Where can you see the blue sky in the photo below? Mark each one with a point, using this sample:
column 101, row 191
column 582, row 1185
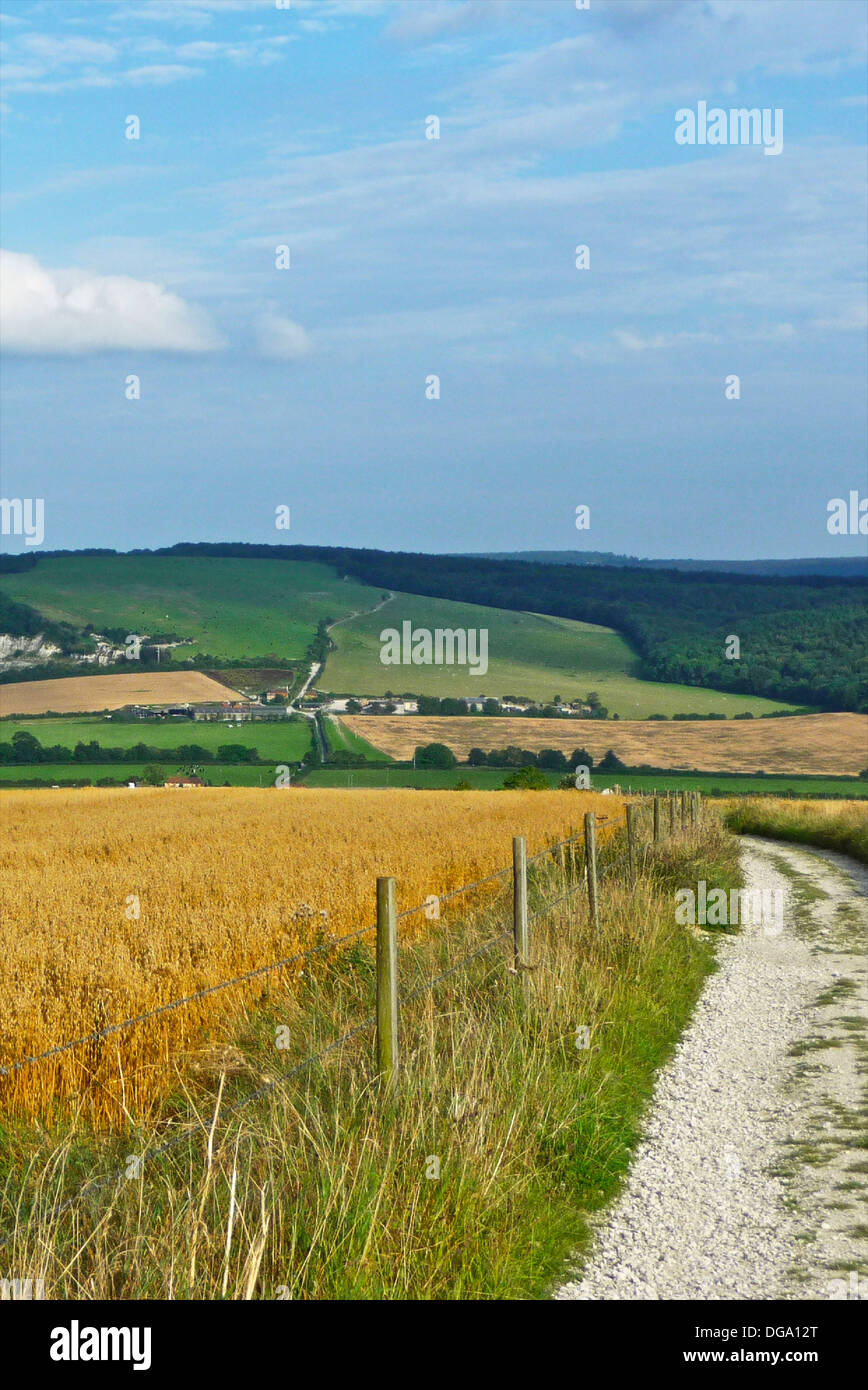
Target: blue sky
column 305, row 126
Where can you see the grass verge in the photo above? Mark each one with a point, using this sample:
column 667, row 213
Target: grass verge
column 843, row 828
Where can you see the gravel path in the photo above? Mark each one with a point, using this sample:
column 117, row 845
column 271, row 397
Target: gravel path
column 750, row 1181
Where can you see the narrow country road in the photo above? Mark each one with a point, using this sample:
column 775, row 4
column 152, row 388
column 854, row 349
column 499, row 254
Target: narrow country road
column 752, row 1176
column 318, row 666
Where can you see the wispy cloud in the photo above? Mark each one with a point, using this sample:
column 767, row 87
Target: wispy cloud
column 281, row 339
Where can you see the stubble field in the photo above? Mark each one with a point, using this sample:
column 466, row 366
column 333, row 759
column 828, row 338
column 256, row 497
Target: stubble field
column 810, row 743
column 91, row 694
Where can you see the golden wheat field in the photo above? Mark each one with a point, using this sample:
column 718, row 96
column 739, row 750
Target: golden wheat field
column 224, row 881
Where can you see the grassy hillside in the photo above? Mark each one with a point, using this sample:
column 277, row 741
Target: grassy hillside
column 229, row 608
column 235, row 608
column 528, row 654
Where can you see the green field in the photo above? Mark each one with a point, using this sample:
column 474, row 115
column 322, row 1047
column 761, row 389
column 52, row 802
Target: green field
column 236, row 774
column 284, row 741
column 489, row 778
column 342, row 740
column 229, row 608
column 528, row 654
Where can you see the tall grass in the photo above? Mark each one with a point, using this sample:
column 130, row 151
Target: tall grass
column 323, row 1186
column 832, row 825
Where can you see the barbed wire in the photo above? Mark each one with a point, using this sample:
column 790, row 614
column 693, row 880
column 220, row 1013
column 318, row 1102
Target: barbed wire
column 277, row 1082
column 455, row 892
column 97, row 1184
column 547, row 907
column 172, row 1004
column 453, row 969
column 100, row 1034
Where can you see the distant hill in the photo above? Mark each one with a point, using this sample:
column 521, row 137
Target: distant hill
column 840, row 566
column 800, row 636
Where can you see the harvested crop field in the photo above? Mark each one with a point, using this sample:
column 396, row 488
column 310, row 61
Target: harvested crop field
column 809, row 743
column 92, row 694
column 126, row 901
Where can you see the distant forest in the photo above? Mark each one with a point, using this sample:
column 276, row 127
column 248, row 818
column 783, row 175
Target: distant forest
column 802, row 637
column 835, row 567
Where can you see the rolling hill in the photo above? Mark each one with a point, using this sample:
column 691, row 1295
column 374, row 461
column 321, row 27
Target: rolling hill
column 247, row 607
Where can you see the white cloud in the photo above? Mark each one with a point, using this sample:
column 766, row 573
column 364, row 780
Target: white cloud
column 281, row 338
column 75, row 311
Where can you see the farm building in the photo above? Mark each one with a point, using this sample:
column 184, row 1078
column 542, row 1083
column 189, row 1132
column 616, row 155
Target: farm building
column 157, row 711
column 183, row 779
column 238, row 711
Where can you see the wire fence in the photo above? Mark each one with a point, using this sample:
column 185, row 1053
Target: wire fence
column 321, row 948
column 388, row 998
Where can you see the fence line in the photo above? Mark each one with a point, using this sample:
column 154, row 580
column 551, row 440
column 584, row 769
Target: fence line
column 168, row 1007
column 386, row 1019
column 100, row 1034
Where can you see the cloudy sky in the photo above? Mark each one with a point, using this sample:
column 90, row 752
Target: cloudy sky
column 304, row 125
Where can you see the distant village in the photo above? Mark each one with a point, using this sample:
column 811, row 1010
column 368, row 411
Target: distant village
column 276, row 705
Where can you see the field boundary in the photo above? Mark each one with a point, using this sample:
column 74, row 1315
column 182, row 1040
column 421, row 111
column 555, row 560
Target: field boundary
column 683, row 814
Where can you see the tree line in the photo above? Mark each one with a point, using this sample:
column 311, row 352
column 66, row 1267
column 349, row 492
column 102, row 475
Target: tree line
column 25, row 748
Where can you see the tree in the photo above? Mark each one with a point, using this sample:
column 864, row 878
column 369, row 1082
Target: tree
column 477, row 757
column 353, row 707
column 236, row 753
column 580, row 757
column 514, row 756
column 526, row 779
column 26, row 748
column 611, row 763
column 153, row 775
column 553, row 759
column 435, row 755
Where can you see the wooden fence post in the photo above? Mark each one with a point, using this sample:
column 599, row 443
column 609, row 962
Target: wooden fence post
column 521, row 941
column 631, row 841
column 656, row 817
column 684, row 811
column 591, row 863
column 387, row 979
column 671, row 813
